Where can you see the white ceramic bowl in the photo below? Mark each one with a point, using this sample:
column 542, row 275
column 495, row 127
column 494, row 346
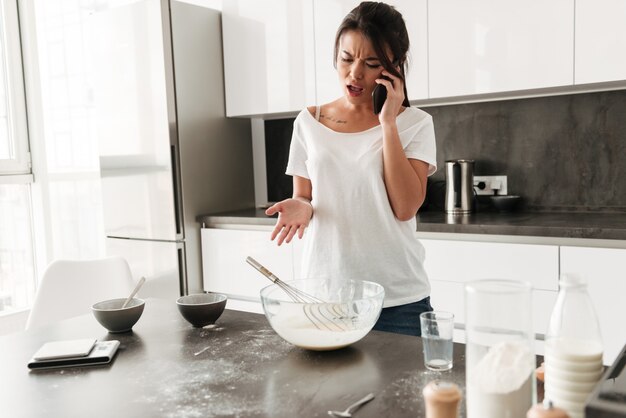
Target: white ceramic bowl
column 557, row 393
column 574, row 366
column 569, row 386
column 349, row 312
column 579, row 377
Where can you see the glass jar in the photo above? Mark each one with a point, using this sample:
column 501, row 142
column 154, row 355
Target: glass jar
column 500, row 360
column 573, row 350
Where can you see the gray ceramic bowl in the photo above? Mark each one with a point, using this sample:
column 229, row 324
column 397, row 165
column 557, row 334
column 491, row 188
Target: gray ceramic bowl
column 505, row 203
column 202, row 309
column 111, row 315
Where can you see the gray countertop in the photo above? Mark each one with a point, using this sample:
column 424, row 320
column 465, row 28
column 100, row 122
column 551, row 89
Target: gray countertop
column 239, row 368
column 591, row 225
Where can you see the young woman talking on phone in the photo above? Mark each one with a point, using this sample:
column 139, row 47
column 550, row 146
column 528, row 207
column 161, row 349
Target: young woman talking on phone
column 359, row 178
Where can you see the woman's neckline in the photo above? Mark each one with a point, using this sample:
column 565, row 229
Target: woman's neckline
column 349, row 133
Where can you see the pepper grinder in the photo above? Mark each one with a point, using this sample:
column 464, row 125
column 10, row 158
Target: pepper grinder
column 442, row 399
column 547, row 410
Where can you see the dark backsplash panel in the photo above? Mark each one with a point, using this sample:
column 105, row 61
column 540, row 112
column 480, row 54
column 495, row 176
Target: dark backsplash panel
column 560, row 153
column 277, row 141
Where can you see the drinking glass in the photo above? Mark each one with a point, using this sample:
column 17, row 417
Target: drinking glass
column 437, row 330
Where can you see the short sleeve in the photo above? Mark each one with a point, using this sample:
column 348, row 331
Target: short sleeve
column 422, row 145
column 296, row 165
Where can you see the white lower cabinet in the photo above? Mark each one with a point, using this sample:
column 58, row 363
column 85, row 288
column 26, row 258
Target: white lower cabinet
column 297, row 245
column 463, row 261
column 448, row 296
column 451, row 264
column 225, row 270
column 605, row 272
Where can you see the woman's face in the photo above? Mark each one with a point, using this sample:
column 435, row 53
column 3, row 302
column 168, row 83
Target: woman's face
column 357, row 67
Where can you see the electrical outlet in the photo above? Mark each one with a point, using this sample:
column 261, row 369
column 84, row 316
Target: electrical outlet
column 492, row 185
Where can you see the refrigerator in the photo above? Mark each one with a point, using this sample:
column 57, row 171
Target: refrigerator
column 167, row 152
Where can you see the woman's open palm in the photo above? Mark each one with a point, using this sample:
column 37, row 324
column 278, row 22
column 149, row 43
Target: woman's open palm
column 293, row 217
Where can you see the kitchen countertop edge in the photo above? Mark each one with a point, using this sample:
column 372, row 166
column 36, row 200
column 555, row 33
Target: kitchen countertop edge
column 577, row 225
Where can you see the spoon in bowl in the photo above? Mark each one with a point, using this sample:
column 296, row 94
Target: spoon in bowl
column 135, row 290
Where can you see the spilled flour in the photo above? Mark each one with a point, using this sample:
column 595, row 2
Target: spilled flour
column 220, row 377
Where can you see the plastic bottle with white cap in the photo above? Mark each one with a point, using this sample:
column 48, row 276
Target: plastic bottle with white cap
column 573, row 348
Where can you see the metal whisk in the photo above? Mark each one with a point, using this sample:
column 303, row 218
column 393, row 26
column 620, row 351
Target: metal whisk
column 324, row 315
column 295, row 294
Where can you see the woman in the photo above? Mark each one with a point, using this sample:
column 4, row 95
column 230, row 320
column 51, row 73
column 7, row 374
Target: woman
column 359, row 178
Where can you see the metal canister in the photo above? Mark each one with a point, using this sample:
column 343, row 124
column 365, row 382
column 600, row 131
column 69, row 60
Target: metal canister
column 441, row 399
column 459, row 186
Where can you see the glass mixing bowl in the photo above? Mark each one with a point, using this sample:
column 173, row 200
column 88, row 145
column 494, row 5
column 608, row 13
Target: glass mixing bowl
column 347, row 310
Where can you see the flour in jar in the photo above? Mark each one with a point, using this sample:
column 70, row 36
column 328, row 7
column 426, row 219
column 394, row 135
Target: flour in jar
column 501, row 385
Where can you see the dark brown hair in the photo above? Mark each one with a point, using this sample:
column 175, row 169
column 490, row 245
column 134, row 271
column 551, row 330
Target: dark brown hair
column 384, row 27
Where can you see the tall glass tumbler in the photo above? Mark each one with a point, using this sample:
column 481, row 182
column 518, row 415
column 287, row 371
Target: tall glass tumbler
column 500, row 359
column 437, row 332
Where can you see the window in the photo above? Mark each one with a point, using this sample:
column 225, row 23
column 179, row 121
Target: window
column 16, row 248
column 16, row 234
column 55, row 207
column 67, row 170
column 14, row 156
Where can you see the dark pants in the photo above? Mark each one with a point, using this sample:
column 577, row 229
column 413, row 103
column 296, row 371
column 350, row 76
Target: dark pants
column 403, row 319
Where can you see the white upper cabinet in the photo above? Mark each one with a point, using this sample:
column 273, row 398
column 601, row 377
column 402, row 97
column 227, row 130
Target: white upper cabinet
column 268, row 56
column 486, row 46
column 278, row 54
column 328, row 16
column 600, row 41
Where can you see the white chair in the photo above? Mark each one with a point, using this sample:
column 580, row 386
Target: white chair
column 69, row 288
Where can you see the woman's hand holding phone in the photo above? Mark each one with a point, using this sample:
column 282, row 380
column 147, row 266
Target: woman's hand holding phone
column 388, row 96
column 379, row 95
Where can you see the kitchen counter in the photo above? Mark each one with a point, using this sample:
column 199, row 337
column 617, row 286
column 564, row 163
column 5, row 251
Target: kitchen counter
column 240, row 367
column 604, row 226
column 540, row 224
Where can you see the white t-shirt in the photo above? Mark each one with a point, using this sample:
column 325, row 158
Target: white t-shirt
column 353, row 233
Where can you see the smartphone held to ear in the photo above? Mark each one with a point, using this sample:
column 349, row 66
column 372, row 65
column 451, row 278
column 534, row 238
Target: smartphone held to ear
column 379, row 95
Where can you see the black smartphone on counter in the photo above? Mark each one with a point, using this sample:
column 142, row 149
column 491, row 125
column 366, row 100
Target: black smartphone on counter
column 379, row 95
